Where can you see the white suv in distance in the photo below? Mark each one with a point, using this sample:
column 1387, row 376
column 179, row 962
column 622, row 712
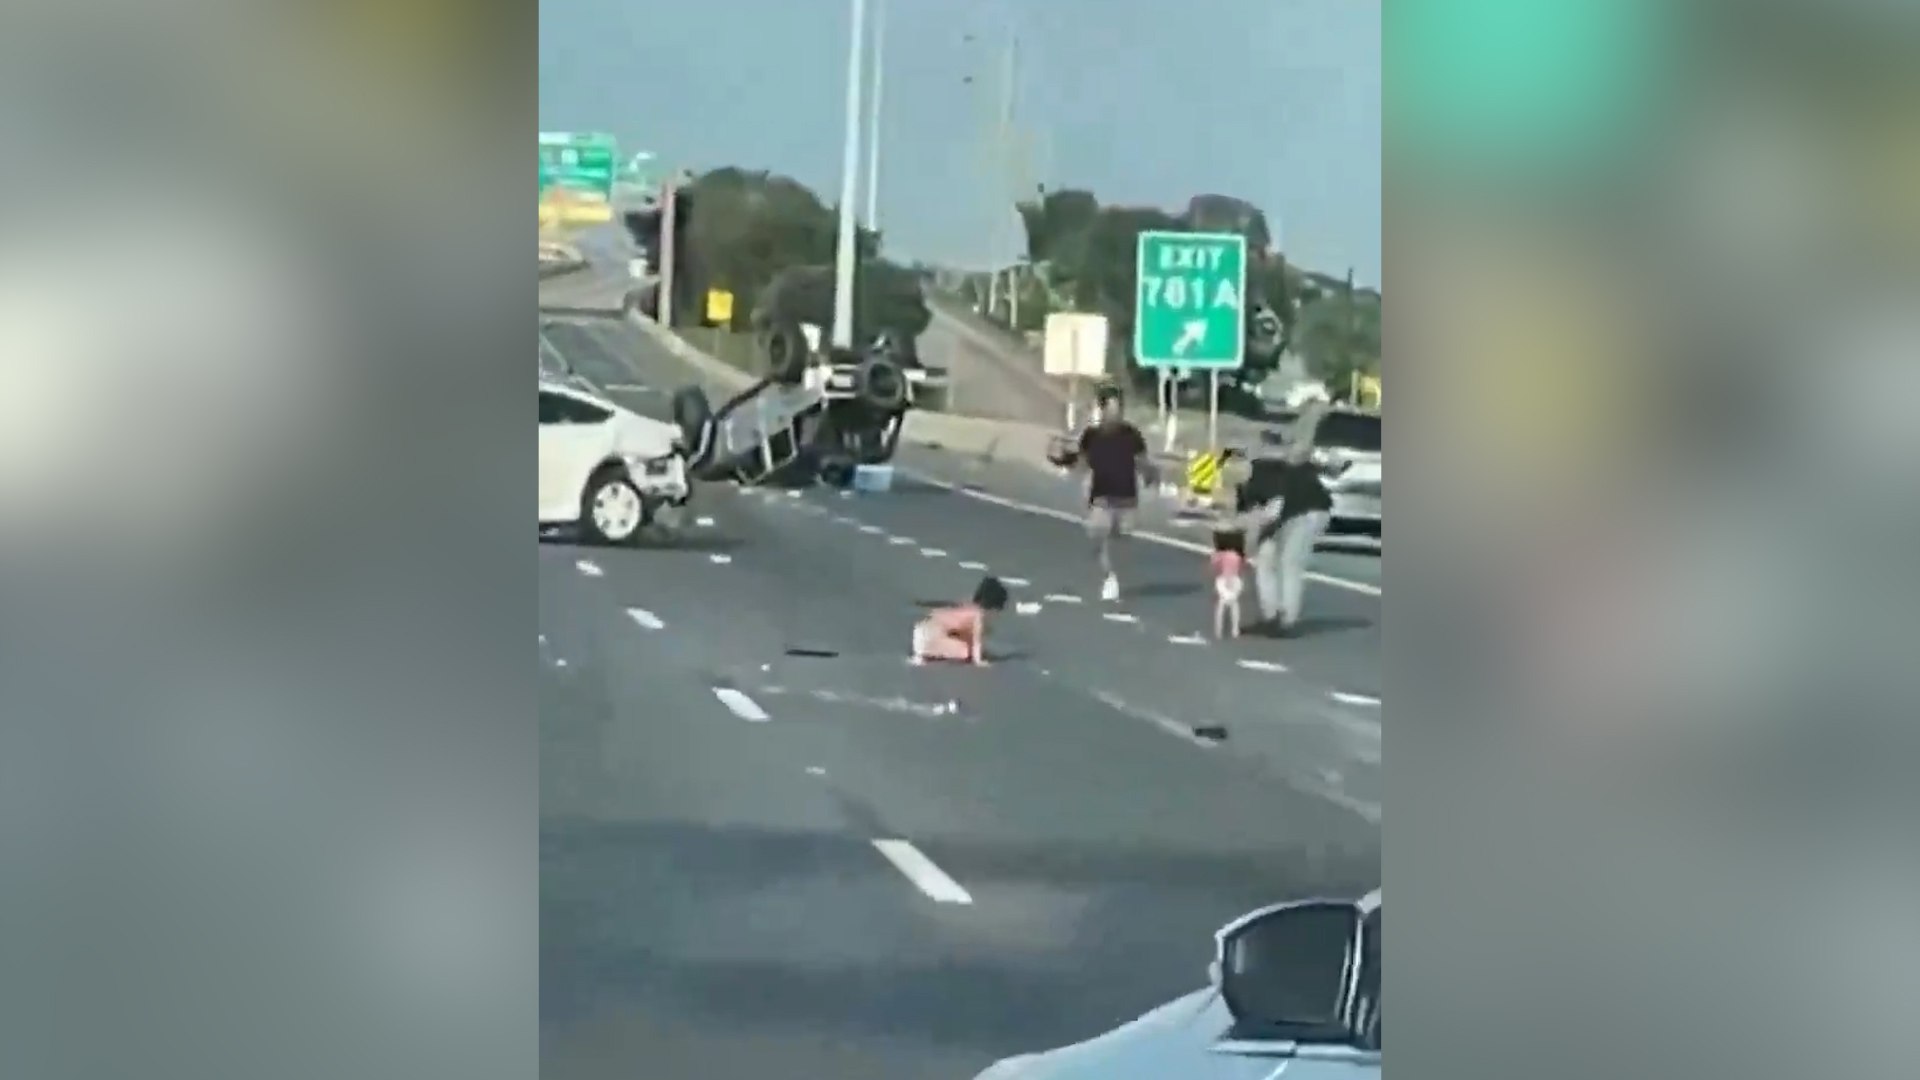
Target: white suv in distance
column 606, row 469
column 1347, row 448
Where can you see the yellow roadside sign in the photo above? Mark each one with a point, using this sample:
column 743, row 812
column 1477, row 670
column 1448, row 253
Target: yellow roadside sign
column 720, row 307
column 1203, row 472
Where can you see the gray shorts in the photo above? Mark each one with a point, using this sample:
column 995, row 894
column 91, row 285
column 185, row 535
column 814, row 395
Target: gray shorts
column 1109, row 517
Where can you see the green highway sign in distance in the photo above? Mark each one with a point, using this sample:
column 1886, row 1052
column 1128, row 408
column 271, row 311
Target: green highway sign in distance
column 581, row 163
column 1189, row 305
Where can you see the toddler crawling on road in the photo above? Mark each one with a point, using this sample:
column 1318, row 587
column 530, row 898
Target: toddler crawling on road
column 957, row 633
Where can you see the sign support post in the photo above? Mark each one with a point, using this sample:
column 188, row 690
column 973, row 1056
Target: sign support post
column 1213, row 411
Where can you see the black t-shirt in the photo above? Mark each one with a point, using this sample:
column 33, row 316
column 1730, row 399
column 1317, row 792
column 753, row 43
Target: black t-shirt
column 1299, row 486
column 1112, row 454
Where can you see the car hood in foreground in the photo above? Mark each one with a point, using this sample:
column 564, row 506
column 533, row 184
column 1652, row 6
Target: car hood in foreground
column 1182, row 1038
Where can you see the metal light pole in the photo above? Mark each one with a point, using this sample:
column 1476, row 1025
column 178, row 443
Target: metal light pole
column 669, row 242
column 873, row 114
column 845, row 254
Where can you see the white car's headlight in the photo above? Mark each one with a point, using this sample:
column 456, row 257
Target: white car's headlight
column 660, row 468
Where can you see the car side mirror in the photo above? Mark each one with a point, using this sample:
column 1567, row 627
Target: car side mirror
column 1291, row 966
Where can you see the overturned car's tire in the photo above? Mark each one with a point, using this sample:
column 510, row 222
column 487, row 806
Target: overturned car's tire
column 881, row 385
column 693, row 415
column 783, row 346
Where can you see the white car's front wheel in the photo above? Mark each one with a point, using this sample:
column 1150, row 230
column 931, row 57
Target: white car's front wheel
column 611, row 509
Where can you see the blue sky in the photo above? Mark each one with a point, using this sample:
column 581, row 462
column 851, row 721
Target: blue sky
column 1142, row 101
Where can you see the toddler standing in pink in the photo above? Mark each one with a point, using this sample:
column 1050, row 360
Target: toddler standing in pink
column 1228, row 562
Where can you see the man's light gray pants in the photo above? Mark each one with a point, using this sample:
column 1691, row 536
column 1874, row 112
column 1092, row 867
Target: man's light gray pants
column 1280, row 566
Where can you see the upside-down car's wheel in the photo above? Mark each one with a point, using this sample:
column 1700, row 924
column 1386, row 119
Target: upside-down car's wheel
column 881, row 385
column 693, row 415
column 784, row 347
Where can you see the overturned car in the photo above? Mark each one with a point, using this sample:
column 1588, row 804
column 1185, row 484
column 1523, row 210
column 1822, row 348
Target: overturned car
column 815, row 413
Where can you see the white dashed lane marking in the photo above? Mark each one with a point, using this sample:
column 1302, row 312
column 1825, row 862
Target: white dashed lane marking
column 1015, row 582
column 872, row 530
column 741, row 705
column 973, row 565
column 1062, row 598
column 1119, row 616
column 1262, row 665
column 923, row 872
column 590, row 568
column 902, row 541
column 1345, row 698
column 720, row 560
column 933, row 553
column 647, row 620
column 1186, row 639
column 1363, row 587
column 703, row 522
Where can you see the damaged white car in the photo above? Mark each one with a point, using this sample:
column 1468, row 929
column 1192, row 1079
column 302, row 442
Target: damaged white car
column 611, row 471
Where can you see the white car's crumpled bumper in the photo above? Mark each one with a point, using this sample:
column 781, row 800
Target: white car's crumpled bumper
column 663, row 480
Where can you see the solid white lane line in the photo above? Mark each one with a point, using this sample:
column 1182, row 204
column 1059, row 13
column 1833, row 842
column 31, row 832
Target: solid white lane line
column 923, row 872
column 741, row 705
column 591, row 569
column 1345, row 698
column 647, row 619
column 1261, row 665
column 933, row 553
column 1157, row 538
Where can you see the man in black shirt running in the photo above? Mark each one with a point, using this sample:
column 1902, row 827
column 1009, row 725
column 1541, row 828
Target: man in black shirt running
column 1114, row 453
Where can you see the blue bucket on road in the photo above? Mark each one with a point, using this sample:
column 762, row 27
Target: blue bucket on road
column 873, row 479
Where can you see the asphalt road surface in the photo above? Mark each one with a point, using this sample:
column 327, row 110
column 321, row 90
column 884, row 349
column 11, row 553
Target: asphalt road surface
column 769, row 846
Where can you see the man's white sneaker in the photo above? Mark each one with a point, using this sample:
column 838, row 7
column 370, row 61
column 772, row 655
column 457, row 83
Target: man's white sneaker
column 1110, row 588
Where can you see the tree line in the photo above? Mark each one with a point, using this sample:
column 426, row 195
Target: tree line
column 769, row 241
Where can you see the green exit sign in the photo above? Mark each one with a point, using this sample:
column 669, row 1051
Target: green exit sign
column 1189, row 304
column 584, row 163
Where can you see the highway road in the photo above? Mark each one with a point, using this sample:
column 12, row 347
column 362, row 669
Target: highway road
column 769, row 846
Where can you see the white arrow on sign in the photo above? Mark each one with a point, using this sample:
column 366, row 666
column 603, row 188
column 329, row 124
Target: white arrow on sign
column 1192, row 333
